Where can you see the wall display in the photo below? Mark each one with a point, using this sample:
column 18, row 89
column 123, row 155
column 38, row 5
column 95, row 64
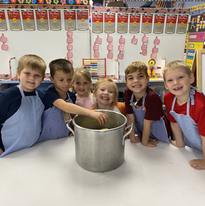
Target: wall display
column 55, row 19
column 170, row 23
column 134, row 23
column 48, row 2
column 146, row 26
column 122, row 23
column 197, row 23
column 182, row 24
column 42, row 19
column 109, row 22
column 82, row 20
column 3, row 25
column 70, row 19
column 159, row 23
column 28, row 19
column 14, row 19
column 97, row 23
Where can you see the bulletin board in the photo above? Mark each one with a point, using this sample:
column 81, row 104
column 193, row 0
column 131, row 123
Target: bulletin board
column 48, row 44
column 51, row 44
column 197, row 69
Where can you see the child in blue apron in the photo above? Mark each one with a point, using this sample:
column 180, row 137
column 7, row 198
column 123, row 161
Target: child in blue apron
column 60, row 102
column 106, row 94
column 82, row 84
column 144, row 108
column 21, row 107
column 185, row 109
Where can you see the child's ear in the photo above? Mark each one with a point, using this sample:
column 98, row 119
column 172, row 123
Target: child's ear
column 165, row 85
column 192, row 78
column 51, row 78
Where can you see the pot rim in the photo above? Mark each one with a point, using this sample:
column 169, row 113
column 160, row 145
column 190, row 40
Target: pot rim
column 97, row 130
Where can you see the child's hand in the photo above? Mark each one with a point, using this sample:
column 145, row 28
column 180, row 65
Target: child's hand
column 1, row 151
column 174, row 142
column 136, row 139
column 151, row 143
column 197, row 164
column 101, row 117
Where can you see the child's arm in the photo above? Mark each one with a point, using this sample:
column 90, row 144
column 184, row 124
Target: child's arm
column 133, row 138
column 75, row 109
column 1, row 151
column 146, row 133
column 199, row 164
column 179, row 141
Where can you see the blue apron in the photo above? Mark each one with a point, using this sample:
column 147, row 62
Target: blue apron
column 158, row 128
column 23, row 128
column 54, row 125
column 188, row 126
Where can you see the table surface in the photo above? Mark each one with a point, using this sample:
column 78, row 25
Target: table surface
column 48, row 175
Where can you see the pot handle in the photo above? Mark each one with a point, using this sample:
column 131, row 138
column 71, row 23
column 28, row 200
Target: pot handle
column 131, row 127
column 67, row 124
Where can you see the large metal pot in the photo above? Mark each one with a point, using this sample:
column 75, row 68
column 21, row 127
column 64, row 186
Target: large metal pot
column 100, row 150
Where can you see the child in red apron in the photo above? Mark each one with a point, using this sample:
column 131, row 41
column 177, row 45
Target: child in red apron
column 106, row 94
column 82, row 84
column 185, row 109
column 144, row 108
column 21, row 107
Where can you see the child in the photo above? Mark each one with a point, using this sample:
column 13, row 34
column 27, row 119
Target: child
column 82, row 86
column 144, row 108
column 21, row 106
column 185, row 109
column 106, row 94
column 59, row 102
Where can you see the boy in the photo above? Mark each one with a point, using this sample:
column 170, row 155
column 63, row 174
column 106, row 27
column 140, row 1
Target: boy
column 59, row 102
column 185, row 109
column 21, row 106
column 144, row 108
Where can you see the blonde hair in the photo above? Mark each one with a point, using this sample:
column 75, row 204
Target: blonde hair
column 177, row 64
column 84, row 73
column 32, row 61
column 136, row 66
column 109, row 80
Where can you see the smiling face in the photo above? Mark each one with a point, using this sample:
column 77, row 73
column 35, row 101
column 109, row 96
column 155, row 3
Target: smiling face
column 178, row 82
column 30, row 79
column 105, row 95
column 62, row 81
column 137, row 83
column 82, row 87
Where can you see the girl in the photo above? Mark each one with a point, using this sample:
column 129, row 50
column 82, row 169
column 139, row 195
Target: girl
column 106, row 94
column 82, row 86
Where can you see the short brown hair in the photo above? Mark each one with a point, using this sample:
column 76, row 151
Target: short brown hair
column 60, row 65
column 32, row 61
column 175, row 65
column 101, row 81
column 136, row 66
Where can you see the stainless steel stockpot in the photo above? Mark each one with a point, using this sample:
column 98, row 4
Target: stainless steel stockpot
column 96, row 149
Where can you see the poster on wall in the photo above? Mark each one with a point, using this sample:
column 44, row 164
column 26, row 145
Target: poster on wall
column 197, row 23
column 109, row 22
column 42, row 20
column 134, row 25
column 82, row 20
column 97, row 23
column 146, row 23
column 55, row 19
column 14, row 20
column 122, row 23
column 3, row 25
column 70, row 20
column 159, row 23
column 28, row 20
column 170, row 23
column 182, row 24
